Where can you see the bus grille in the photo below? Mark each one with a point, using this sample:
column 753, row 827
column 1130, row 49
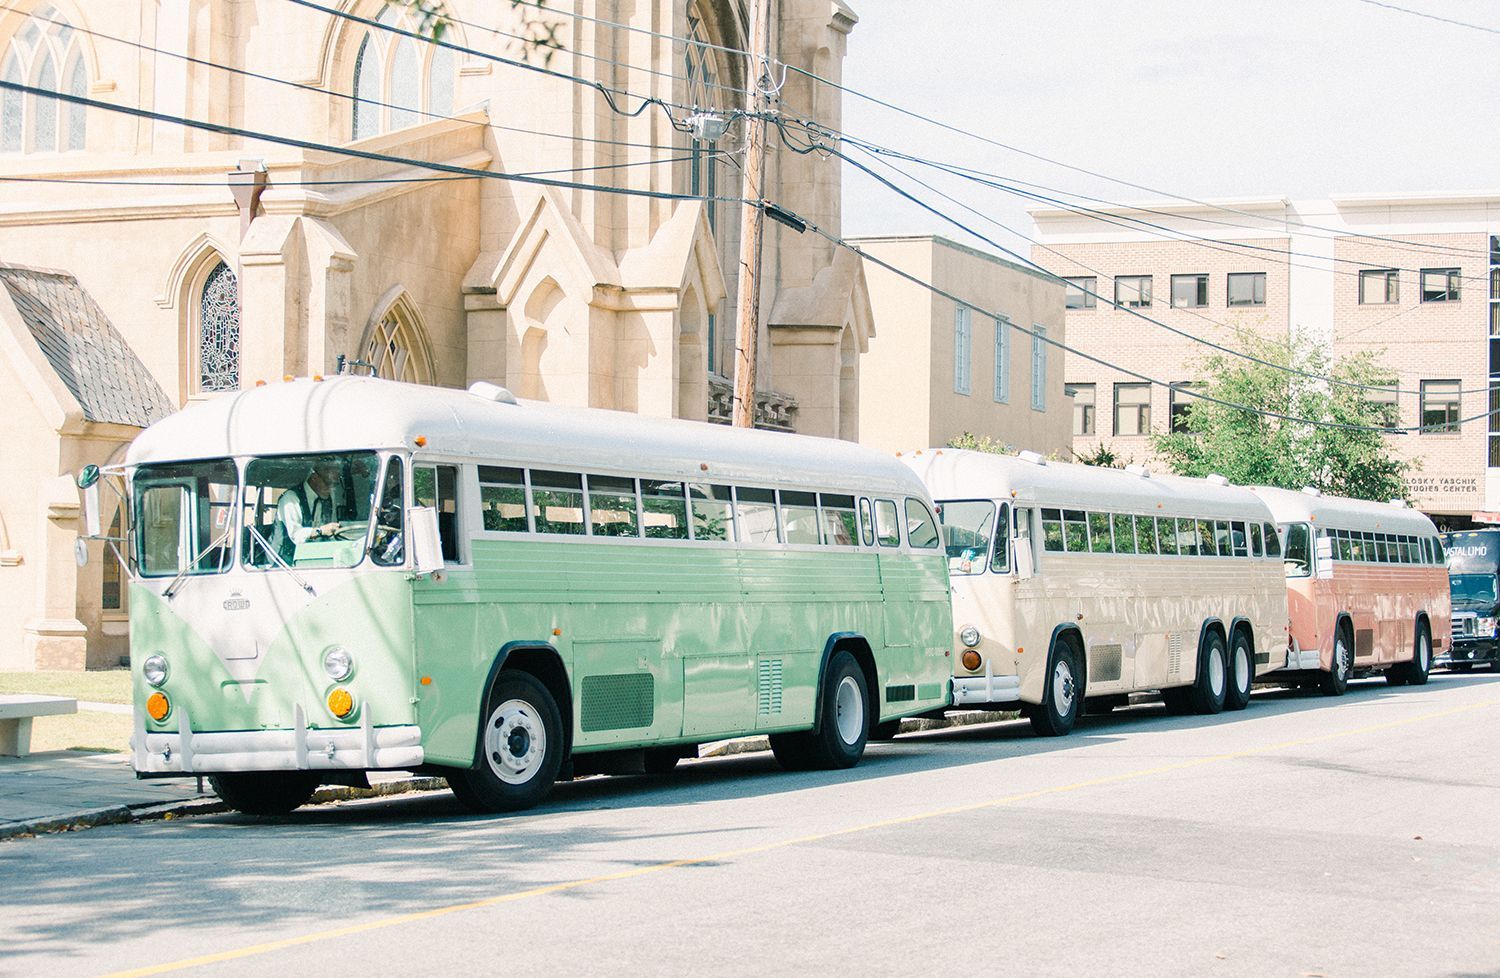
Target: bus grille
column 768, row 696
column 1105, row 663
column 900, row 694
column 618, row 702
column 1174, row 655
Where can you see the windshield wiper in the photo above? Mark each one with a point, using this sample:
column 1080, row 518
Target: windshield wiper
column 271, row 552
column 182, row 575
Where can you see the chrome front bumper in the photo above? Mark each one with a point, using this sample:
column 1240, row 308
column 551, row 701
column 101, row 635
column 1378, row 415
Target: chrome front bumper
column 363, row 748
column 988, row 688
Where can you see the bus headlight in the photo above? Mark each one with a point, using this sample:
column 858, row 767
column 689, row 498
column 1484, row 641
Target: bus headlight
column 338, row 663
column 1486, row 626
column 969, row 635
column 154, row 669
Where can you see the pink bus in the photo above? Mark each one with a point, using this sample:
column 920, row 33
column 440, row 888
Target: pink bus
column 1367, row 589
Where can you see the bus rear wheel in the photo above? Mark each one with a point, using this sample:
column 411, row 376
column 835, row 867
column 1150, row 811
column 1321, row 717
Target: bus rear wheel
column 1207, row 693
column 1336, row 679
column 520, row 747
column 843, row 727
column 1241, row 673
column 1062, row 699
column 1415, row 672
column 265, row 792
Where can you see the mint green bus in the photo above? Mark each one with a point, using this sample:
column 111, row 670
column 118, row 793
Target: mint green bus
column 332, row 577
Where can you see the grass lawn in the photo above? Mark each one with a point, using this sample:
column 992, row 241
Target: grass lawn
column 82, row 730
column 100, row 686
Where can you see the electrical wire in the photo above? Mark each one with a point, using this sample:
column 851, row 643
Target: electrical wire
column 1338, row 232
column 352, row 151
column 1423, row 13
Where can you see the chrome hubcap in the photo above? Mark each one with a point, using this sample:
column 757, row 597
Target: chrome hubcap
column 515, row 742
column 1242, row 669
column 1216, row 672
column 850, row 710
column 1064, row 690
column 1424, row 653
column 1341, row 659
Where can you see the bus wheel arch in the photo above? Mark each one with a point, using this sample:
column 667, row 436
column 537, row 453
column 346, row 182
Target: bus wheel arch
column 520, row 742
column 1240, row 664
column 859, row 647
column 844, row 711
column 1065, row 663
column 542, row 660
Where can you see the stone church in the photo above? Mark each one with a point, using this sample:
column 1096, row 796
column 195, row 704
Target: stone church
column 146, row 264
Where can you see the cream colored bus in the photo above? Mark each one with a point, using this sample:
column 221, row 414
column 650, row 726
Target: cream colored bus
column 1074, row 586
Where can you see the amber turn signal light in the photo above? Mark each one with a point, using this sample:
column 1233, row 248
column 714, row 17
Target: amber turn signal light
column 971, row 659
column 340, row 702
column 158, row 706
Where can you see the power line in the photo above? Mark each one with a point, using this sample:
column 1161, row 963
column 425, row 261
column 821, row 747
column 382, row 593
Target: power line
column 1069, row 166
column 1423, row 13
column 353, row 151
column 1123, row 308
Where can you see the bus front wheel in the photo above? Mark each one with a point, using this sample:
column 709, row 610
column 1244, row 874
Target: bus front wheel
column 520, row 747
column 265, row 792
column 1062, row 699
column 843, row 727
column 1336, row 679
column 1241, row 673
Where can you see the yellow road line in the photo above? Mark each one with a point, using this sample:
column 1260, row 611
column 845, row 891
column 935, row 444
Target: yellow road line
column 384, row 922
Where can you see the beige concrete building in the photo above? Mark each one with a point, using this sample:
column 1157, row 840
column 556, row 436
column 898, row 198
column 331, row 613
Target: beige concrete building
column 936, row 369
column 1415, row 279
column 219, row 258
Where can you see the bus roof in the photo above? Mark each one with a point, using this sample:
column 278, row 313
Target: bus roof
column 960, row 474
column 1291, row 506
column 353, row 413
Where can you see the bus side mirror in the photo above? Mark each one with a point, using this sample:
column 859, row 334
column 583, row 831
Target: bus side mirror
column 88, row 481
column 1021, row 545
column 426, row 541
column 1325, row 556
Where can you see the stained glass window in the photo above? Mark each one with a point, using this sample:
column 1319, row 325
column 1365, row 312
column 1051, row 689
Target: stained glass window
column 44, row 53
column 391, row 89
column 397, row 349
column 219, row 331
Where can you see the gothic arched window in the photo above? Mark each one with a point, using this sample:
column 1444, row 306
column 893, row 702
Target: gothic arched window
column 398, row 80
column 44, row 53
column 704, row 90
column 218, row 347
column 397, row 349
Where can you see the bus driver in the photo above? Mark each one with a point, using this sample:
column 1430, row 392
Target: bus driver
column 308, row 511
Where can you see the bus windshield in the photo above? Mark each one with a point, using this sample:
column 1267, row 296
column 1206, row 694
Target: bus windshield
column 183, row 516
column 308, row 511
column 1474, row 589
column 966, row 534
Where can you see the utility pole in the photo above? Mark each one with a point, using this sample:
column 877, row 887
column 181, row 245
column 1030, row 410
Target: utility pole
column 752, row 218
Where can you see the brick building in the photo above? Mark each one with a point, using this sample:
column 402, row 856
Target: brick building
column 1415, row 279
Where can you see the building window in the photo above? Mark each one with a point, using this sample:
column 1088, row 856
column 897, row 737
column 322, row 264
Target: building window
column 1002, row 361
column 1247, row 288
column 1440, row 284
column 1182, row 400
column 1083, row 407
column 1132, row 409
column 45, row 53
column 963, row 350
column 1133, row 291
column 1385, row 407
column 1440, row 406
column 111, row 586
column 1038, row 367
column 1379, row 286
column 219, row 331
column 397, row 349
column 1189, row 291
column 398, row 81
column 1080, row 293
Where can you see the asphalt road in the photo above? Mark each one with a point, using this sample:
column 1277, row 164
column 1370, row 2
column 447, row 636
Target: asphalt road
column 1303, row 837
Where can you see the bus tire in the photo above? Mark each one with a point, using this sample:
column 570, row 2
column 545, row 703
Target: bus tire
column 886, row 730
column 265, row 792
column 844, row 727
column 1062, row 697
column 520, row 747
column 1336, row 680
column 1241, row 673
column 1208, row 689
column 1415, row 672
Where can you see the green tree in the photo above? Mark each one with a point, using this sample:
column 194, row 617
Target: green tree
column 1253, row 449
column 980, row 443
column 538, row 34
column 1102, row 456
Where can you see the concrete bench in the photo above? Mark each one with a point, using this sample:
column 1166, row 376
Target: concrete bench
column 16, row 713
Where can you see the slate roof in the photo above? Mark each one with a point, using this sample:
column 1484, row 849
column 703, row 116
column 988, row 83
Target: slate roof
column 90, row 356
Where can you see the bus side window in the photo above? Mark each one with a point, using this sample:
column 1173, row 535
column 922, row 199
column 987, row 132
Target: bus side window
column 1052, row 530
column 1273, row 540
column 887, row 525
column 756, row 511
column 1000, row 556
column 388, row 547
column 921, row 528
column 437, row 486
column 1440, row 551
column 1255, row 541
column 866, row 522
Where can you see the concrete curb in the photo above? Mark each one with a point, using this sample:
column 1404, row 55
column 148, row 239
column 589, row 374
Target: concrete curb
column 205, row 805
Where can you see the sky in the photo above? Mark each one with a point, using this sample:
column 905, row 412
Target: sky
column 1202, row 98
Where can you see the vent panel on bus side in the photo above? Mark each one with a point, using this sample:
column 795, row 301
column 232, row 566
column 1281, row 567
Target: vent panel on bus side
column 768, row 693
column 618, row 702
column 1174, row 656
column 900, row 694
column 1105, row 663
